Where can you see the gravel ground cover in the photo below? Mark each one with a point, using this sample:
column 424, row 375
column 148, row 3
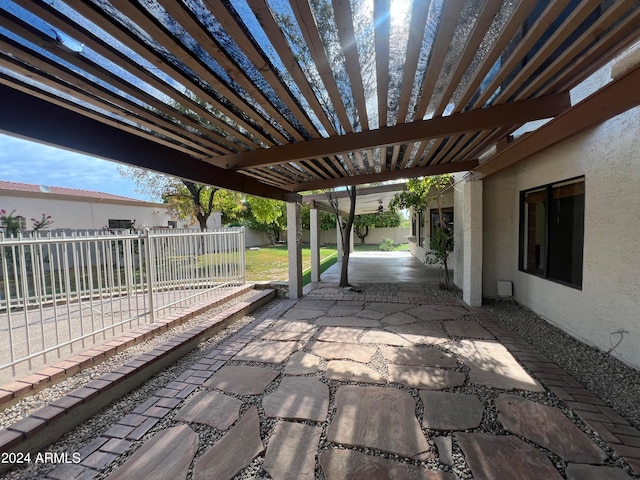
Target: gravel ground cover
column 611, row 380
column 614, row 382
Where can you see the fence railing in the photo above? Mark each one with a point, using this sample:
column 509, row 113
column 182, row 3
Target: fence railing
column 59, row 293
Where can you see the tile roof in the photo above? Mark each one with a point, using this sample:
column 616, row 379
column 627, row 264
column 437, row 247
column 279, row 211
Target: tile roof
column 71, row 192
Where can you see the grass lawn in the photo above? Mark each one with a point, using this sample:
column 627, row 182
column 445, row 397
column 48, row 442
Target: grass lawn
column 272, row 263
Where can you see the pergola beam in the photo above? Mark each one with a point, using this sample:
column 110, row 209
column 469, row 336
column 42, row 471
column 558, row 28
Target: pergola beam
column 480, row 119
column 384, row 176
column 61, row 127
column 615, row 98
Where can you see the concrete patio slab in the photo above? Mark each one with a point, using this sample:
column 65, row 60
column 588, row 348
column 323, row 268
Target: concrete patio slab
column 491, row 456
column 168, row 454
column 302, row 363
column 549, row 428
column 423, row 356
column 429, row 378
column 298, row 398
column 347, row 371
column 348, row 464
column 291, row 452
column 233, row 452
column 210, row 408
column 267, row 351
column 380, row 418
column 241, row 379
column 450, row 411
column 491, row 364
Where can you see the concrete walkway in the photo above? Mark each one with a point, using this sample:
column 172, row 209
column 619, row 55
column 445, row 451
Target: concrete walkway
column 376, row 385
column 386, row 267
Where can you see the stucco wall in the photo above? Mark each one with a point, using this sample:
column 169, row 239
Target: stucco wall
column 609, row 158
column 87, row 214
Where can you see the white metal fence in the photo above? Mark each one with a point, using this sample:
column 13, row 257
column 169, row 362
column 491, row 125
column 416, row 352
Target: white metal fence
column 60, row 293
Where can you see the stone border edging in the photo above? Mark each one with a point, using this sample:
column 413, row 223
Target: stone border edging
column 12, row 392
column 46, row 425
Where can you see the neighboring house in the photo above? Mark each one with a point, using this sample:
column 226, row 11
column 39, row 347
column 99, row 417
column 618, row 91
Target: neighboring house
column 86, row 210
column 562, row 228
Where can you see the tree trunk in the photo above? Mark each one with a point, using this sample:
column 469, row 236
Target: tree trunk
column 346, row 239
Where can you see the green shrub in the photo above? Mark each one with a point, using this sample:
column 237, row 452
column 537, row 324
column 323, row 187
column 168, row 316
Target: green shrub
column 386, row 245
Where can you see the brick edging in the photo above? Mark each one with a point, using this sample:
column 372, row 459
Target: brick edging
column 12, row 392
column 46, row 425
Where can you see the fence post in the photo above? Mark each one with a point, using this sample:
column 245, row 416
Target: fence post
column 243, row 270
column 150, row 271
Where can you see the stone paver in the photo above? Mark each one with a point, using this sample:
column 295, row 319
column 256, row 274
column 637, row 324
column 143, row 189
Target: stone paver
column 490, row 456
column 438, row 312
column 243, row 380
column 382, row 337
column 387, row 307
column 421, row 333
column 167, row 455
column 399, row 318
column 429, row 378
column 348, row 464
column 491, row 364
column 468, row 329
column 372, row 314
column 287, row 336
column 233, row 452
column 425, row 356
column 291, row 452
column 451, row 411
column 339, row 334
column 302, row 313
column 576, row 471
column 294, row 326
column 346, row 322
column 343, row 310
column 548, row 427
column 346, row 371
column 267, row 351
column 298, row 398
column 378, row 417
column 302, row 363
column 445, row 449
column 349, row 351
column 210, row 408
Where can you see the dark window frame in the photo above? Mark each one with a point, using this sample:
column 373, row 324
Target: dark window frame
column 547, row 190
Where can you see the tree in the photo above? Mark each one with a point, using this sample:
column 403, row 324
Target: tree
column 345, row 231
column 186, row 199
column 420, row 193
column 362, row 223
column 266, row 215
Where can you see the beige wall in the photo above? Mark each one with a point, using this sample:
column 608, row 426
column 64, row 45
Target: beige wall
column 609, row 158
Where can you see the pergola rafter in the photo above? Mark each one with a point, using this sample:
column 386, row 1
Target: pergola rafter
column 273, row 98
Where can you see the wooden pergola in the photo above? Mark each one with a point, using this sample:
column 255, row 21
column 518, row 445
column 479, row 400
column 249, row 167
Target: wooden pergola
column 277, row 97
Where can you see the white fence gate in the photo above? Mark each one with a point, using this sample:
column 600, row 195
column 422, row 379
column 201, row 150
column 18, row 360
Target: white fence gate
column 59, row 292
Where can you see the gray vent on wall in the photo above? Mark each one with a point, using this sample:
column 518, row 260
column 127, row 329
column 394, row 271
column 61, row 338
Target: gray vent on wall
column 505, row 288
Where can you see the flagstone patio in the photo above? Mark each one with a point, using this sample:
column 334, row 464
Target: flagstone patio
column 365, row 386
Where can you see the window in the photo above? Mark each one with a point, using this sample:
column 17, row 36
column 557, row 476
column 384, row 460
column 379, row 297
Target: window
column 120, row 224
column 421, row 228
column 447, row 216
column 552, row 231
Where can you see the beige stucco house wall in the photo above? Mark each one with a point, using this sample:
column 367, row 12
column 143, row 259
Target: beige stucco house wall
column 605, row 311
column 83, row 209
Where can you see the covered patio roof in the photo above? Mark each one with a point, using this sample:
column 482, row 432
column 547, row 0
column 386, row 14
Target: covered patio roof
column 273, row 97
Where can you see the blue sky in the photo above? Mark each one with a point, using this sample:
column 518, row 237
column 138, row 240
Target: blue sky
column 30, row 162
